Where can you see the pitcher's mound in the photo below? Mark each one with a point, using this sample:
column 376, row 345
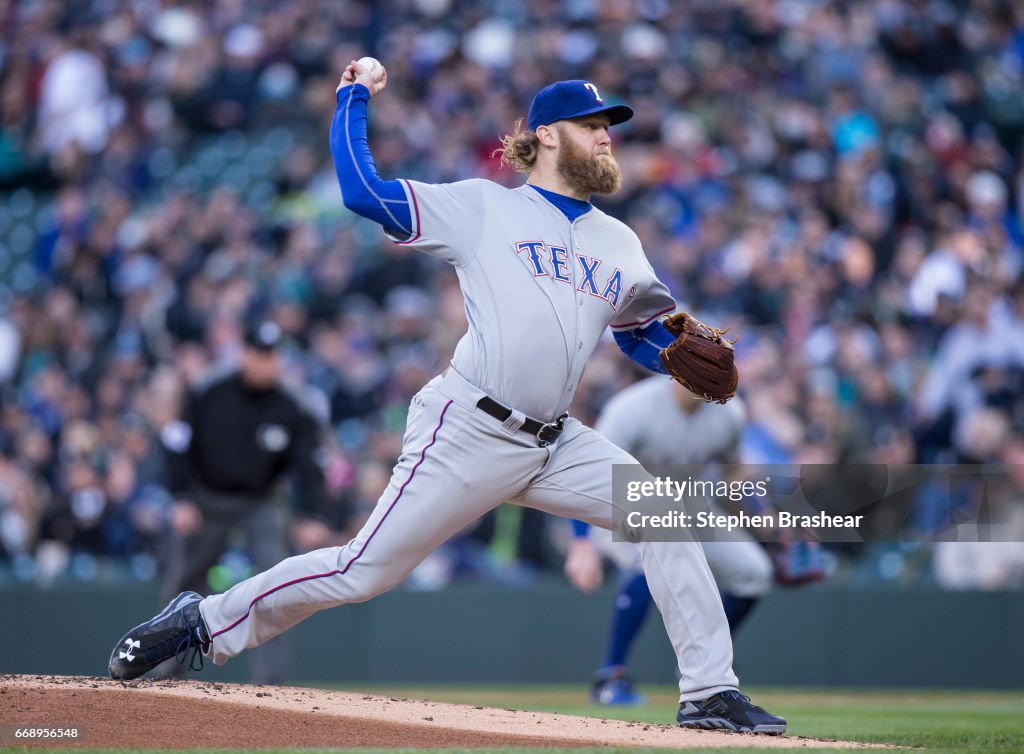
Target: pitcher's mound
column 193, row 714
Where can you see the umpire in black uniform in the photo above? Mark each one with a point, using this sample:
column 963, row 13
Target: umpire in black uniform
column 240, row 433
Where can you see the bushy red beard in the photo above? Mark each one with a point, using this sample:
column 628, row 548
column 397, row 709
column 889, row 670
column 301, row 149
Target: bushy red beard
column 587, row 174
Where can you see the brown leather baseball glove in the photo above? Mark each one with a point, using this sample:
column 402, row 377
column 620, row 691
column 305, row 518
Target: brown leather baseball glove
column 700, row 358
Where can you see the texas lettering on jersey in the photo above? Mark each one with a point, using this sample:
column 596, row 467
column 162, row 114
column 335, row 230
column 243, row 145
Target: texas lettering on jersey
column 548, row 260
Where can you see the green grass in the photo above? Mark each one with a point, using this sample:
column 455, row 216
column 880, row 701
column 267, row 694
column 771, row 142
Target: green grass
column 934, row 722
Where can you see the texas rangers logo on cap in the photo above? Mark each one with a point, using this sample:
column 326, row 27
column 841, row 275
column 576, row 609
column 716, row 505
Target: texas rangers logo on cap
column 572, row 99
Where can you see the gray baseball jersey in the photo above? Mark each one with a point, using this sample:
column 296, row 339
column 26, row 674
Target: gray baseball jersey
column 539, row 292
column 647, row 421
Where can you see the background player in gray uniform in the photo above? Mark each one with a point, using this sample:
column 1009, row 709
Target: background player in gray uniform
column 660, row 422
column 543, row 274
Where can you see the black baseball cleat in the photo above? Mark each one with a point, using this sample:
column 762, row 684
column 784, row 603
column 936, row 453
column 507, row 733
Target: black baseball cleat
column 176, row 631
column 729, row 710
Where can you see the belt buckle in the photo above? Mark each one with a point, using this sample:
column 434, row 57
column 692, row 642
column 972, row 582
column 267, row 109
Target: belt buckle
column 549, row 432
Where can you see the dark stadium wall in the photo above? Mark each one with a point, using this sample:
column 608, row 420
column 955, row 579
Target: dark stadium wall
column 549, row 633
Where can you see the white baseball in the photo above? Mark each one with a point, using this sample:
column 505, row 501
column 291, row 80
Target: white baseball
column 373, row 67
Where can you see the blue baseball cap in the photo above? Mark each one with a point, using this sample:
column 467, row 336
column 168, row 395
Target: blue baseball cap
column 572, row 99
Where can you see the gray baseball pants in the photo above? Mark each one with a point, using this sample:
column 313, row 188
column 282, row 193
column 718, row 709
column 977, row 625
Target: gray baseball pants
column 457, row 463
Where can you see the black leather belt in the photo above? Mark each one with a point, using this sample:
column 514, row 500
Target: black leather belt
column 546, row 433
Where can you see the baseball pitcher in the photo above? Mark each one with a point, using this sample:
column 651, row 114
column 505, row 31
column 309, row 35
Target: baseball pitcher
column 543, row 273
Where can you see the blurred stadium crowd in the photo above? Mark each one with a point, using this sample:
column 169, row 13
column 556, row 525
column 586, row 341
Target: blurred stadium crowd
column 842, row 182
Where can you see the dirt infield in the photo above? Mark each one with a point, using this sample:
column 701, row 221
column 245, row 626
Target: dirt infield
column 192, row 714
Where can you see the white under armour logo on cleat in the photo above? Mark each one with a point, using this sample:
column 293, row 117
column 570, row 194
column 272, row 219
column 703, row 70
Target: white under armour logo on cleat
column 131, row 645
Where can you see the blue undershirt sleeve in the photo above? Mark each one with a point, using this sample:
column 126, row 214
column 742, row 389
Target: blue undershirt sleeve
column 644, row 344
column 362, row 190
column 580, row 529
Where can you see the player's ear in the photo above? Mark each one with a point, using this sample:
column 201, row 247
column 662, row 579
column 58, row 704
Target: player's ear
column 547, row 136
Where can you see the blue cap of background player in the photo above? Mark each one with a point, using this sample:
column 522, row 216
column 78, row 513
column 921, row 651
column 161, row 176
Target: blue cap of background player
column 572, row 99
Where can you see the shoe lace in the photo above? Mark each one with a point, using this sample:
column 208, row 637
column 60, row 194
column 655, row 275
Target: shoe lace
column 190, row 642
column 736, row 696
